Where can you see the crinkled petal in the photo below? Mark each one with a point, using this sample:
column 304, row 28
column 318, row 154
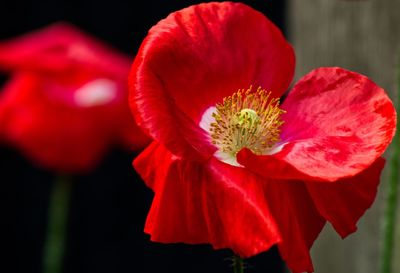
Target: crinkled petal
column 194, row 58
column 216, row 203
column 344, row 202
column 298, row 220
column 228, row 207
column 238, row 210
column 337, row 124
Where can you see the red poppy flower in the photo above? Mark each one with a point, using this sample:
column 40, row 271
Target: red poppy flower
column 66, row 101
column 234, row 168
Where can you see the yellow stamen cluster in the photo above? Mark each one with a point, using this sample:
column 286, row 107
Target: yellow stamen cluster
column 248, row 119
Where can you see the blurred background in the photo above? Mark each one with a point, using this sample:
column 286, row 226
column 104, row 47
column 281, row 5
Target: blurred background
column 108, row 206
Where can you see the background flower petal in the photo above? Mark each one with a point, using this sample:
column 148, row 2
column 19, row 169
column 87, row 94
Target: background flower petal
column 61, row 47
column 194, row 58
column 49, row 131
column 66, row 102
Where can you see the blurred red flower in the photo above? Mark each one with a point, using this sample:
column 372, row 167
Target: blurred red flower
column 66, row 101
column 236, row 169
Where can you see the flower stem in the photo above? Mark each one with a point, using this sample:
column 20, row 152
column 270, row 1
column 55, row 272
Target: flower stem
column 56, row 226
column 392, row 197
column 238, row 264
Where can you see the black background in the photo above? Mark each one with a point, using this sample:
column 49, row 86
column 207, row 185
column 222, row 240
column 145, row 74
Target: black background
column 107, row 207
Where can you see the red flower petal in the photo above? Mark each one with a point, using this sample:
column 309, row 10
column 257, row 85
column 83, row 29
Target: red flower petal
column 194, row 58
column 61, row 47
column 66, row 103
column 344, row 202
column 298, row 220
column 129, row 133
column 50, row 132
column 337, row 124
column 227, row 207
column 269, row 166
column 216, row 203
column 55, row 132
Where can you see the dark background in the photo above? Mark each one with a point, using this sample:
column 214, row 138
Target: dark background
column 108, row 207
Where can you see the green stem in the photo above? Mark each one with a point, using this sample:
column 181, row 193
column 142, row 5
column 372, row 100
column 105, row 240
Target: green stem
column 56, row 226
column 392, row 197
column 238, row 264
